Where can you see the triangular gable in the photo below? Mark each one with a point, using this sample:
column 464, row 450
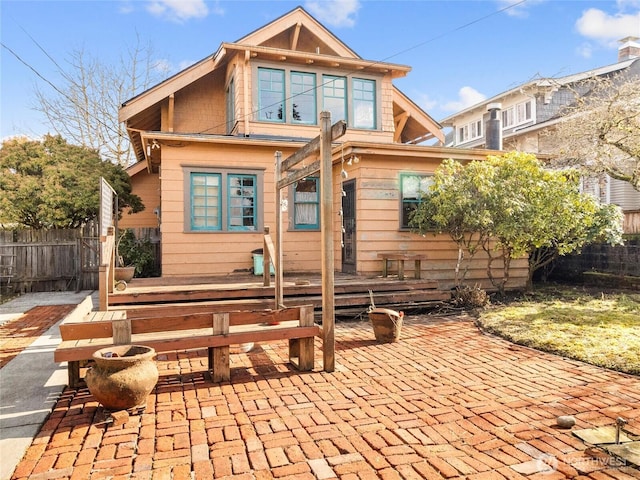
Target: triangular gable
column 413, row 125
column 298, row 31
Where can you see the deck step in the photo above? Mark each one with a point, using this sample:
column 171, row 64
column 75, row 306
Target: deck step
column 351, row 297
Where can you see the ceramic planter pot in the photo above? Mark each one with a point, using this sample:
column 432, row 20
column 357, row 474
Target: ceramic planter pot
column 123, row 376
column 124, row 274
column 387, row 324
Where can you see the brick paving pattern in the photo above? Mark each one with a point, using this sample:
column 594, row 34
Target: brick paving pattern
column 18, row 334
column 445, row 402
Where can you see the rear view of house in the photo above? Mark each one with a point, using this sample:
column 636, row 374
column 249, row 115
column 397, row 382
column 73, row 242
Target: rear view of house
column 205, row 141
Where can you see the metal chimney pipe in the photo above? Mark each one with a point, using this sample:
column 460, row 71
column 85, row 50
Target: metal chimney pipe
column 493, row 128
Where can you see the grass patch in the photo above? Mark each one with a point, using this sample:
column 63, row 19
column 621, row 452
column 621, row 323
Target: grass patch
column 595, row 327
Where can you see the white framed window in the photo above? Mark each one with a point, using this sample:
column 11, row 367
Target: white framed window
column 470, row 131
column 517, row 114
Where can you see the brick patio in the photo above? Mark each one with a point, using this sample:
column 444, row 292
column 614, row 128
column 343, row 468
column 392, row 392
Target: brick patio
column 445, row 402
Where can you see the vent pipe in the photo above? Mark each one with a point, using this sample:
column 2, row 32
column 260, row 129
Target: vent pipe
column 493, row 130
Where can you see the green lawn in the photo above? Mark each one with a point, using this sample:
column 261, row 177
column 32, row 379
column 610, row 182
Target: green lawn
column 594, row 327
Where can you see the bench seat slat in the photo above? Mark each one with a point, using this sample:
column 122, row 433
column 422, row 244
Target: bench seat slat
column 72, row 350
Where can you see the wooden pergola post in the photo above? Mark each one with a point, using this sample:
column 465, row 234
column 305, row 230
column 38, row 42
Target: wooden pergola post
column 321, row 144
column 326, row 228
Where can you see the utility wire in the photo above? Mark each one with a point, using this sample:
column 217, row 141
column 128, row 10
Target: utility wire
column 64, row 94
column 371, row 64
column 108, row 127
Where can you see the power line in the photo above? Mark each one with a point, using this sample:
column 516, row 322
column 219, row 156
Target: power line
column 371, row 64
column 55, row 87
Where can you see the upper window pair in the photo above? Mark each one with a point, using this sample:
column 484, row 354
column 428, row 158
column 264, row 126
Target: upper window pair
column 297, row 101
column 517, row 114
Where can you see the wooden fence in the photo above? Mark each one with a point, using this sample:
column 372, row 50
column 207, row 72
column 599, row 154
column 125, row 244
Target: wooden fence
column 49, row 260
column 57, row 260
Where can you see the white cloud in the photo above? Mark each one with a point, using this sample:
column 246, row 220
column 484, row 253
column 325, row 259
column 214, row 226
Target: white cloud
column 585, row 50
column 608, row 29
column 467, row 97
column 630, row 4
column 336, row 13
column 518, row 8
column 179, row 10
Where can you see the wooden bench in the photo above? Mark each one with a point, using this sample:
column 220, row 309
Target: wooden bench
column 400, row 257
column 214, row 331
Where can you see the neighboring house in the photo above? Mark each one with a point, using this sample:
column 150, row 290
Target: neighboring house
column 525, row 113
column 205, row 141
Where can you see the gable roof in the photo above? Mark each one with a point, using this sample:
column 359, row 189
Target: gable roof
column 277, row 40
column 288, row 28
column 297, row 38
column 546, row 82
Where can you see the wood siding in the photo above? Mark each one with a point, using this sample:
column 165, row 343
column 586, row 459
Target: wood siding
column 378, row 228
column 147, row 186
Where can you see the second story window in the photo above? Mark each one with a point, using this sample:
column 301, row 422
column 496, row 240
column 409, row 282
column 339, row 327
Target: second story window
column 517, row 114
column 271, row 94
column 364, row 103
column 334, row 95
column 303, row 98
column 470, row 131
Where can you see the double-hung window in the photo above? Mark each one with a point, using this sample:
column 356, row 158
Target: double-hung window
column 306, row 204
column 271, row 95
column 224, row 200
column 470, row 131
column 412, row 186
column 364, row 103
column 517, row 114
column 334, row 97
column 303, row 98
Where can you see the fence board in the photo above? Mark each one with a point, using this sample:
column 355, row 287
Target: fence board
column 49, row 260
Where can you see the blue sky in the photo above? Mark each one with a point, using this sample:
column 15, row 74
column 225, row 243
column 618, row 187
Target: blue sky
column 461, row 51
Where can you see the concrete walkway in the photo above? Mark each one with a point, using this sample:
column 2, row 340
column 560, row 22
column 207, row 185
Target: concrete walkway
column 31, row 383
column 445, row 402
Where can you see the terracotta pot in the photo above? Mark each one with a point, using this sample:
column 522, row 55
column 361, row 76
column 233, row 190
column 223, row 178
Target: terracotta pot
column 124, row 274
column 387, row 324
column 123, row 376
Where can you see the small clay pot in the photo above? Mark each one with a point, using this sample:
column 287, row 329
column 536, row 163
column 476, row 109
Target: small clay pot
column 123, row 376
column 387, row 324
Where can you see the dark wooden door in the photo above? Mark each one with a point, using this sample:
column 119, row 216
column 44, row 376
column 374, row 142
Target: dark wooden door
column 349, row 224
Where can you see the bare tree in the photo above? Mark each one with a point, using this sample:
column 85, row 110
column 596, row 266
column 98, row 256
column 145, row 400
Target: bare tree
column 84, row 108
column 600, row 131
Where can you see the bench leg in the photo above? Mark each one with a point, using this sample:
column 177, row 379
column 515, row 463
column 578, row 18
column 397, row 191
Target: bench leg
column 219, row 364
column 385, row 267
column 302, row 354
column 401, row 269
column 418, row 269
column 73, row 370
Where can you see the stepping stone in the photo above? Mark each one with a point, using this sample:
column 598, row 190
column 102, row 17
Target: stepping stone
column 630, row 452
column 600, row 435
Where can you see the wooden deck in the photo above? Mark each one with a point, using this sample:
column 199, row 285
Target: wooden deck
column 163, row 296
